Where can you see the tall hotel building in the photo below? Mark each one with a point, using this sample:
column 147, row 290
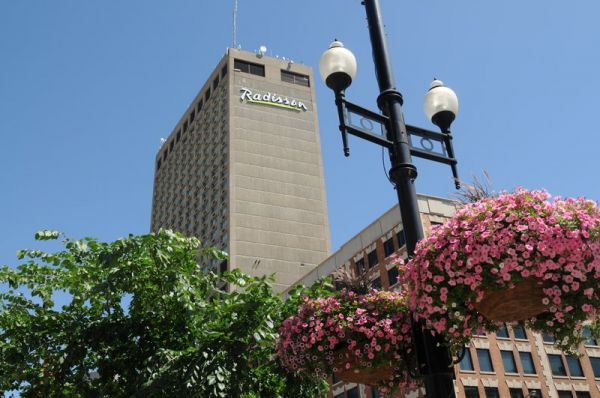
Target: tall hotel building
column 242, row 169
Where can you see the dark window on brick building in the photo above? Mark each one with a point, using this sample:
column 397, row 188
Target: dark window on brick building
column 502, row 332
column 393, row 276
column 485, row 360
column 360, row 266
column 388, row 247
column 508, row 360
column 527, row 362
column 492, row 392
column 574, row 366
column 372, row 258
column 471, row 392
column 466, row 363
column 557, row 365
column 401, row 238
column 519, row 332
column 516, row 393
column 595, row 362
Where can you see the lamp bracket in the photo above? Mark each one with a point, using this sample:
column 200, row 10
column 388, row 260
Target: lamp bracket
column 373, row 127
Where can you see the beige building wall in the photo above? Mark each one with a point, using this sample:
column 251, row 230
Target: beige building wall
column 250, row 178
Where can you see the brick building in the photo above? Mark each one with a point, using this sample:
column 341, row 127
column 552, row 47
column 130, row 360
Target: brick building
column 513, row 363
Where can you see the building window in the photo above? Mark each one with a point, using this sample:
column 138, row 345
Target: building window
column 589, row 339
column 478, row 332
column 353, row 393
column 393, row 275
column 249, row 67
column 466, row 363
column 158, row 164
column 574, row 366
column 207, row 95
column 485, row 361
column 171, row 145
column 224, row 71
column 334, row 379
column 516, row 393
column 527, row 362
column 295, row 78
column 471, row 392
column 360, row 266
column 519, row 332
column 388, row 247
column 535, row 393
column 595, row 362
column 216, row 82
column 376, row 283
column 502, row 332
column 178, row 135
column 565, row 394
column 401, row 238
column 508, row 359
column 548, row 338
column 372, row 258
column 199, row 106
column 557, row 365
column 582, row 394
column 192, row 115
column 491, row 392
column 185, row 125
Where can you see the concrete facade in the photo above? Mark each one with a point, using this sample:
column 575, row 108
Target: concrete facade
column 538, row 365
column 242, row 170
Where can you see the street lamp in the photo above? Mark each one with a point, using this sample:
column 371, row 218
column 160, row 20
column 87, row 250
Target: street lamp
column 338, row 69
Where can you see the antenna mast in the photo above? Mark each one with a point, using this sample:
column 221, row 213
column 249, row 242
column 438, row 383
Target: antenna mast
column 235, row 9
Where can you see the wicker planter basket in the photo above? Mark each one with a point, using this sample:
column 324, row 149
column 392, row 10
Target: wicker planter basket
column 520, row 303
column 357, row 373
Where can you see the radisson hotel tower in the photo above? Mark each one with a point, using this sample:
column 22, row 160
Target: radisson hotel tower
column 242, row 169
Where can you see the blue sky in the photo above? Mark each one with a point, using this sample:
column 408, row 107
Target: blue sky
column 87, row 89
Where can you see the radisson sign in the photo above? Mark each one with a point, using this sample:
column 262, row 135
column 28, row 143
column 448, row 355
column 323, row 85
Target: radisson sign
column 271, row 99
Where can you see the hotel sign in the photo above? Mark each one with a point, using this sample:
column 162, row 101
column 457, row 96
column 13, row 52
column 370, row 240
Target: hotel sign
column 271, row 99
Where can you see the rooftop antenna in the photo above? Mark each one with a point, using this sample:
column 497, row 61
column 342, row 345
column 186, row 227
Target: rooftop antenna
column 235, row 10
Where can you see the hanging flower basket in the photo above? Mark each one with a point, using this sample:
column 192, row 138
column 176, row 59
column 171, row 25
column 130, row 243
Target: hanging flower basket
column 515, row 257
column 361, row 338
column 523, row 301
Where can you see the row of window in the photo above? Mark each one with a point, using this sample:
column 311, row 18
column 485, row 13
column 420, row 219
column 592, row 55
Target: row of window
column 561, row 365
column 191, row 117
column 259, row 70
column 388, row 250
column 508, row 360
column 587, row 333
column 519, row 332
column 492, row 392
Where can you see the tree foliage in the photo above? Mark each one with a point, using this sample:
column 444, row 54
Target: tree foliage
column 140, row 317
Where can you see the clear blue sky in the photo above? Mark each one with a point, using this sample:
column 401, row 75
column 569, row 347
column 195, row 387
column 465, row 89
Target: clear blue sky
column 87, row 89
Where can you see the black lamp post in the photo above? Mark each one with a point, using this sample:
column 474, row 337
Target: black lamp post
column 338, row 68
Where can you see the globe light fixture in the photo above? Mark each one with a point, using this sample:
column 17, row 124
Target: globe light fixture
column 337, row 66
column 440, row 105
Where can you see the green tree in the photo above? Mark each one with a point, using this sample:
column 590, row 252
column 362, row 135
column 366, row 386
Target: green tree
column 140, row 317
